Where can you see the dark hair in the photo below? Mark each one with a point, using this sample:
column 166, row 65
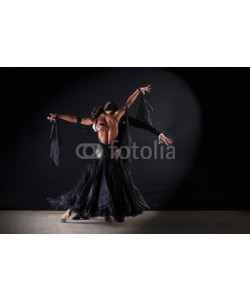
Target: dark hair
column 111, row 105
column 97, row 111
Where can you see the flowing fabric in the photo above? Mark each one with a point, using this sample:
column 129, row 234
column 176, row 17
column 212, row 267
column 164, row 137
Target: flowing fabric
column 143, row 125
column 55, row 143
column 145, row 110
column 142, row 120
column 125, row 140
column 105, row 188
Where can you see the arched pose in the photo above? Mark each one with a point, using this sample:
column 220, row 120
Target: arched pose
column 110, row 108
column 106, row 188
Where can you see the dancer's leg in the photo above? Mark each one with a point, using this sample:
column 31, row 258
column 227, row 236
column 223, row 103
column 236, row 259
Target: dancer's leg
column 65, row 216
column 108, row 219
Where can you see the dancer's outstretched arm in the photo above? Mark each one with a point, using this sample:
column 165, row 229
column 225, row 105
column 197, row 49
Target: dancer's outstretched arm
column 141, row 124
column 120, row 112
column 72, row 119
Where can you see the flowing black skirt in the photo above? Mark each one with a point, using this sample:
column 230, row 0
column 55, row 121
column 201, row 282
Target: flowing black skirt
column 105, row 188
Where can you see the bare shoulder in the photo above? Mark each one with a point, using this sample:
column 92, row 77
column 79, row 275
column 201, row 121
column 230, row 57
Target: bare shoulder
column 120, row 112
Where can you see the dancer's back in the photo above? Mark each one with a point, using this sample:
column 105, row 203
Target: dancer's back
column 107, row 137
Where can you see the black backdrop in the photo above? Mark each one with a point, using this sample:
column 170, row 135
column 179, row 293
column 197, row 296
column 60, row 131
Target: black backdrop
column 205, row 111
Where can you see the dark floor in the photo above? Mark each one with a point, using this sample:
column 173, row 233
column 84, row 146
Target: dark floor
column 149, row 222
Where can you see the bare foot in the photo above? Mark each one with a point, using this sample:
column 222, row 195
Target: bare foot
column 65, row 216
column 108, row 219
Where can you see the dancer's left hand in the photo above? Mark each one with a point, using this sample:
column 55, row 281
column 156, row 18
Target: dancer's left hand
column 164, row 139
column 146, row 89
column 101, row 127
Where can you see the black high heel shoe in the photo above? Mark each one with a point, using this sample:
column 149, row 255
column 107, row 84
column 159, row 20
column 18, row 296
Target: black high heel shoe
column 79, row 217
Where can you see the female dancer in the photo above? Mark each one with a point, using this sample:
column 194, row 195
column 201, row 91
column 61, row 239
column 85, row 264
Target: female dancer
column 110, row 108
column 106, row 188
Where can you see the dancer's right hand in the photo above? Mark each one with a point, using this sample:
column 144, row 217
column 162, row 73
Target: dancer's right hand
column 52, row 117
column 165, row 139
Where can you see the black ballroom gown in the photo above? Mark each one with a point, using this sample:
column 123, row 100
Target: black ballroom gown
column 105, row 188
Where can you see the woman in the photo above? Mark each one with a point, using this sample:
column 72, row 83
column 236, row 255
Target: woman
column 106, row 188
column 123, row 138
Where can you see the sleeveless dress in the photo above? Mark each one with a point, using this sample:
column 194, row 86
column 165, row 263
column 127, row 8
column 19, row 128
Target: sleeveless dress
column 105, row 188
